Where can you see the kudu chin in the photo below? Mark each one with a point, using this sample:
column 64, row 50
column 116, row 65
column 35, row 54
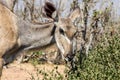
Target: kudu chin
column 17, row 35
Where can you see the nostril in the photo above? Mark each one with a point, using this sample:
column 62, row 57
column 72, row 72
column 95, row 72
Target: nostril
column 69, row 57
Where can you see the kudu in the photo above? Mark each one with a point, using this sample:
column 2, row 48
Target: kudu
column 18, row 35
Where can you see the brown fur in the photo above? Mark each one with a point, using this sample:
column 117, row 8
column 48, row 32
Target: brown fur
column 8, row 30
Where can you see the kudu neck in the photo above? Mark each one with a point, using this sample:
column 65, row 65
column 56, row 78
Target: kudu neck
column 35, row 35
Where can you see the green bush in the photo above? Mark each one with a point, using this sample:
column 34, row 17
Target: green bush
column 103, row 62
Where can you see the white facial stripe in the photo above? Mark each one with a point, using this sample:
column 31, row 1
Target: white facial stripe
column 60, row 45
column 69, row 42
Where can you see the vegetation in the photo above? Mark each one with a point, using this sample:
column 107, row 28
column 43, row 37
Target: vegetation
column 103, row 62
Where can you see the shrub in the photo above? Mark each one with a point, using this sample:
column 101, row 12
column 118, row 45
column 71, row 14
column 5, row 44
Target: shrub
column 102, row 63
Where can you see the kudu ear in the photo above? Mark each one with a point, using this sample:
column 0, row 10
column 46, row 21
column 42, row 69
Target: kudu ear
column 74, row 14
column 50, row 10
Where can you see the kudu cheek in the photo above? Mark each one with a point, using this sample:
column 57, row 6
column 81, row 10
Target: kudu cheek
column 63, row 43
column 67, row 47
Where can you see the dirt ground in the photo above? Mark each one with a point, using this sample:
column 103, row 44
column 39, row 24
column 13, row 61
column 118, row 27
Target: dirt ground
column 23, row 71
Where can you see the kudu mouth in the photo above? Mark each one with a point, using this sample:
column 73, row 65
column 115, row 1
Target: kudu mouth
column 70, row 56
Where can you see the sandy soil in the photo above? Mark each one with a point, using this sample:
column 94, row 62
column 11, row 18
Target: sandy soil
column 23, row 71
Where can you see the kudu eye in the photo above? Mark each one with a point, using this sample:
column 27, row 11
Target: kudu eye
column 61, row 31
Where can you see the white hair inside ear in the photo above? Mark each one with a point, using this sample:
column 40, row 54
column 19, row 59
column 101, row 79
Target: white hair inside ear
column 54, row 15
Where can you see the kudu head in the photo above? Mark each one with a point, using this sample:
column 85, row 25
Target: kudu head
column 65, row 29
